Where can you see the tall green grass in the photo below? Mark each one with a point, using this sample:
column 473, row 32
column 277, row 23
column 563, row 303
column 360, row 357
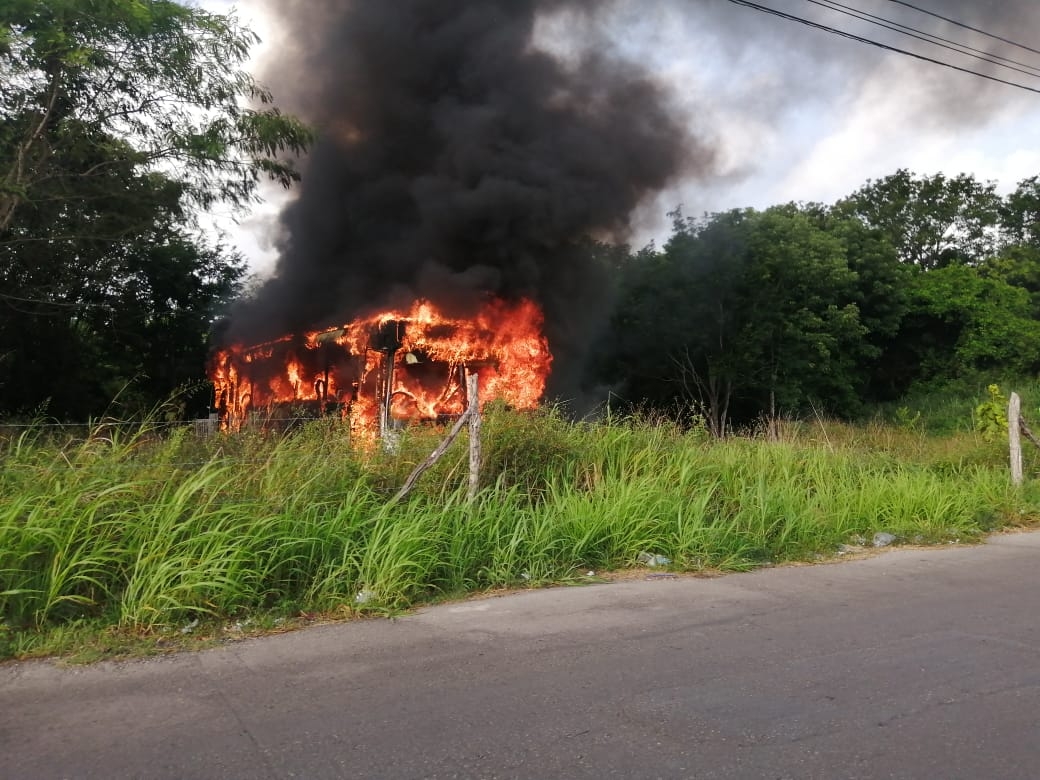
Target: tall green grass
column 142, row 529
column 949, row 408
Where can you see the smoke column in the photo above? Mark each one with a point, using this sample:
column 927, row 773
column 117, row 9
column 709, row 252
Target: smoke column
column 457, row 159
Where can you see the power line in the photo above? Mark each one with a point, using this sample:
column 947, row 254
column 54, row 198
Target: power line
column 965, row 26
column 884, row 46
column 927, row 37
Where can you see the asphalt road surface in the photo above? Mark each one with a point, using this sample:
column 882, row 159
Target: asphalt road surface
column 912, row 664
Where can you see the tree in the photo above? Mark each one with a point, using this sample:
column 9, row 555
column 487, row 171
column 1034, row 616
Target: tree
column 743, row 314
column 802, row 328
column 803, row 307
column 1017, row 261
column 881, row 297
column 713, row 258
column 121, row 118
column 122, row 309
column 963, row 323
column 672, row 322
column 1020, row 214
column 932, row 221
column 973, row 290
column 161, row 81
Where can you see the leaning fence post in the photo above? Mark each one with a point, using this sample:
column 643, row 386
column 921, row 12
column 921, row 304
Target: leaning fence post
column 471, row 416
column 1015, row 438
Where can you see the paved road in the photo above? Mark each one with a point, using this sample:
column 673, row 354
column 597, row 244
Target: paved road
column 915, row 664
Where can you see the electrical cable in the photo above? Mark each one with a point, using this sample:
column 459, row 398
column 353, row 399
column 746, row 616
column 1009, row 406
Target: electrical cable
column 966, row 26
column 935, row 40
column 878, row 44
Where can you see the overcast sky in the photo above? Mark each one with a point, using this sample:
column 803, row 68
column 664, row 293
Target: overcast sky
column 794, row 113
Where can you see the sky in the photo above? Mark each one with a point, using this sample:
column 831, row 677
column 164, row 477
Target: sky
column 791, row 113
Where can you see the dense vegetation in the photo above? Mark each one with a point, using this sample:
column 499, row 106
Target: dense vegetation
column 911, row 283
column 146, row 531
column 119, row 121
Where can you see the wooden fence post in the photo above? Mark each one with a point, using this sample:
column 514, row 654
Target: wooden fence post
column 1015, row 438
column 472, row 395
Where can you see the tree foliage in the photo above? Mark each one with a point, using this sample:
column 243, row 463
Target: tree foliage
column 114, row 298
column 121, row 120
column 797, row 309
column 156, row 84
column 747, row 312
column 962, row 324
column 932, row 221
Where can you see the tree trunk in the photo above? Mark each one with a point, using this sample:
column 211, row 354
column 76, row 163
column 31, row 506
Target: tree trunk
column 15, row 182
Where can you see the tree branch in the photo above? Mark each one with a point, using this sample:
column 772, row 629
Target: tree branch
column 14, row 179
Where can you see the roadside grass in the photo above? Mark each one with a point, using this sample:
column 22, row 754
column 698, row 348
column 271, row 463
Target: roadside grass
column 950, row 409
column 144, row 540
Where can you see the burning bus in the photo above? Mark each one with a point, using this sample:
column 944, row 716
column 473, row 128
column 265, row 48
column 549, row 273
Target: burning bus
column 388, row 369
column 460, row 164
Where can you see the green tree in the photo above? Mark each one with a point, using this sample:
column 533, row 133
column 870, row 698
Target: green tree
column 741, row 314
column 881, row 296
column 1020, row 214
column 121, row 119
column 910, row 280
column 964, row 324
column 163, row 78
column 803, row 329
column 1017, row 261
column 932, row 221
column 114, row 297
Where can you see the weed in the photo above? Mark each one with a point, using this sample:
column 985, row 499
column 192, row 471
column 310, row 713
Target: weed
column 991, row 415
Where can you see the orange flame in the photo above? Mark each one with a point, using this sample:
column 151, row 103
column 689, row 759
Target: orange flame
column 410, row 362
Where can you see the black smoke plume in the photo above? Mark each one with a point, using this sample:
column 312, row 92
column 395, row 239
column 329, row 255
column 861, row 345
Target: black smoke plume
column 457, row 159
